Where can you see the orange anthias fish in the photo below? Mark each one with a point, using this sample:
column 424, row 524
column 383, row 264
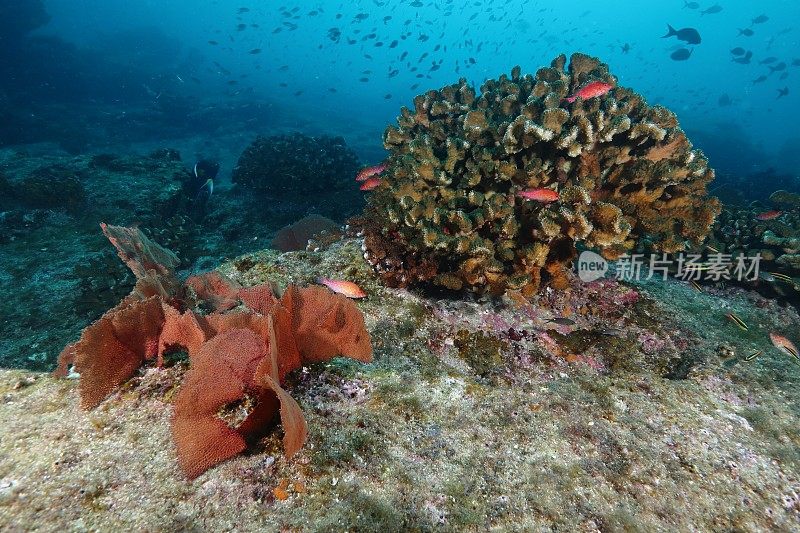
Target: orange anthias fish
column 540, row 194
column 370, row 184
column 595, row 88
column 346, row 288
column 769, row 215
column 367, row 172
column 784, row 344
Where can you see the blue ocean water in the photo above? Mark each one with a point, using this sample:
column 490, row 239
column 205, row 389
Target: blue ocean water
column 346, row 67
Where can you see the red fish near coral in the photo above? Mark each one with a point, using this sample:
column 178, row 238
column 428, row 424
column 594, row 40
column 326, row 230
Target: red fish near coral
column 368, row 172
column 595, row 88
column 541, row 194
column 784, row 344
column 769, row 215
column 370, row 184
column 346, row 288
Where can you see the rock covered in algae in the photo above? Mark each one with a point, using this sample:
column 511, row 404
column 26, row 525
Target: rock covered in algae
column 448, row 210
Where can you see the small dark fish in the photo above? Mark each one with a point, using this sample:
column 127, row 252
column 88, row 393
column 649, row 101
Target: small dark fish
column 393, row 44
column 687, row 35
column 241, row 27
column 782, row 92
column 611, row 332
column 767, row 61
column 682, row 54
column 796, row 62
column 744, row 60
column 716, row 8
column 363, row 80
column 781, row 277
column 760, row 19
column 738, row 321
column 626, row 48
column 777, row 68
column 747, row 32
column 724, row 100
column 387, row 97
column 243, row 10
column 213, row 43
column 255, row 51
column 691, row 5
column 753, row 355
column 738, row 51
column 760, row 79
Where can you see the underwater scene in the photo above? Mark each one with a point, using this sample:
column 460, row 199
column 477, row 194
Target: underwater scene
column 399, row 265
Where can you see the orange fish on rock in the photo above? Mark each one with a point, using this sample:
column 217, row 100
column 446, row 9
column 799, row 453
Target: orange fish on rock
column 769, row 215
column 346, row 288
column 540, row 194
column 370, row 184
column 368, row 172
column 784, row 344
column 591, row 90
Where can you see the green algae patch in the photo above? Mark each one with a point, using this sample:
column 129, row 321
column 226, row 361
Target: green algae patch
column 481, row 351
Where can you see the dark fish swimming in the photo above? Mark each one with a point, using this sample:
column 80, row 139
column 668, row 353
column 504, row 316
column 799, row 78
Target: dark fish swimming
column 716, row 8
column 782, row 92
column 745, row 59
column 768, row 60
column 738, row 51
column 760, row 79
column 777, row 68
column 681, row 54
column 760, row 19
column 687, row 35
column 691, row 5
column 724, row 101
column 747, row 32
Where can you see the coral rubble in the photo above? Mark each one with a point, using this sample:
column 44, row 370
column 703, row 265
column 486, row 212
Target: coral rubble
column 238, row 359
column 449, row 211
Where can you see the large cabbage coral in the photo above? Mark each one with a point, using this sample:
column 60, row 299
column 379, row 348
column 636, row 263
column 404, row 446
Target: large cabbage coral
column 448, row 210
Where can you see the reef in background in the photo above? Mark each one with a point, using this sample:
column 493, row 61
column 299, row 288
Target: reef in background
column 448, row 210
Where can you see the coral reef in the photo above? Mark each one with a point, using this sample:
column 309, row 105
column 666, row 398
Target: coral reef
column 296, row 164
column 770, row 229
column 641, row 414
column 449, row 209
column 238, row 360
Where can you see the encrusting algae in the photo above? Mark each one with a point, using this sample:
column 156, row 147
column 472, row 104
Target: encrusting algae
column 448, row 210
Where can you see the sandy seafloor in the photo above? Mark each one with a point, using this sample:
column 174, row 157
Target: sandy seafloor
column 640, row 417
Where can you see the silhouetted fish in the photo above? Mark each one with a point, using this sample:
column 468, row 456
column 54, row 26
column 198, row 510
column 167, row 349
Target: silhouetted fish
column 681, row 55
column 688, row 35
column 738, row 51
column 747, row 32
column 716, row 8
column 760, row 19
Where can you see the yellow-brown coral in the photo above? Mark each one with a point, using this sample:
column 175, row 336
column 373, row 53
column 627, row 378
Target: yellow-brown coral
column 624, row 171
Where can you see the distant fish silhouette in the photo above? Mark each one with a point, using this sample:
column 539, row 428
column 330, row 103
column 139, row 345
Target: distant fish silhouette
column 716, row 8
column 760, row 19
column 691, row 5
column 738, row 51
column 782, row 92
column 747, row 32
column 688, row 35
column 681, row 55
